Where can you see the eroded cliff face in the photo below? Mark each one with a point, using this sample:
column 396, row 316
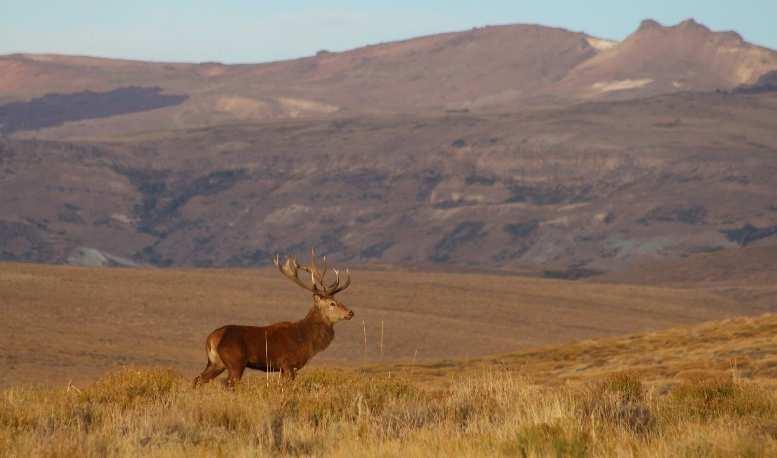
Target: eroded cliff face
column 565, row 191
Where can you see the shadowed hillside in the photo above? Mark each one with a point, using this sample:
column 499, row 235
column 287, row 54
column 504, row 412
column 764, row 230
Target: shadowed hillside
column 57, row 109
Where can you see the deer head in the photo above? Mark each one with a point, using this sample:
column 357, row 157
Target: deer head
column 323, row 292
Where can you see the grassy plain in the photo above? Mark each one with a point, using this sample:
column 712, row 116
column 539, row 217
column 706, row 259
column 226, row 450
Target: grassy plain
column 66, row 323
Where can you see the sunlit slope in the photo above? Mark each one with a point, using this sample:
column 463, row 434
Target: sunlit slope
column 744, row 347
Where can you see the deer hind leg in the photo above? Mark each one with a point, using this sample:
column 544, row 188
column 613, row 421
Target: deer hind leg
column 215, row 365
column 210, row 372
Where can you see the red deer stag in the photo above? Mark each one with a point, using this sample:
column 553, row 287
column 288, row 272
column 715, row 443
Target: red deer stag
column 285, row 346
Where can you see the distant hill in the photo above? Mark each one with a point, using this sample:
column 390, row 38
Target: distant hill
column 499, row 67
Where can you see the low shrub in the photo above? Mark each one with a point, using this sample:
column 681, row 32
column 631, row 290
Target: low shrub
column 545, row 439
column 618, row 400
column 704, row 398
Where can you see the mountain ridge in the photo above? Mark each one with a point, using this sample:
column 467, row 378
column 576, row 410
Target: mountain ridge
column 645, row 24
column 482, row 69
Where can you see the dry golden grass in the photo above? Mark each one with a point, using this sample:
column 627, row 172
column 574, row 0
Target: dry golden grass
column 154, row 412
column 699, row 391
column 65, row 323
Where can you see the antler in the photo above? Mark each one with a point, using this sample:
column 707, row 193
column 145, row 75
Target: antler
column 290, row 269
column 336, row 287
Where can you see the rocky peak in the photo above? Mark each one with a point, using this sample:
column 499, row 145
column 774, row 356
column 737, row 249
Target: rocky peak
column 691, row 24
column 649, row 24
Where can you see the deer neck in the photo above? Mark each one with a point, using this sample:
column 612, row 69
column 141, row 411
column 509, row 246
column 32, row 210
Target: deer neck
column 319, row 328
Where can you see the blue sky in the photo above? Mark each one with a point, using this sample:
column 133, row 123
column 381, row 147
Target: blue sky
column 259, row 31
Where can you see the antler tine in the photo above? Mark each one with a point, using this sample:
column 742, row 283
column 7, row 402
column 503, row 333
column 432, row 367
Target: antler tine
column 317, row 273
column 336, row 287
column 313, row 259
column 313, row 269
column 347, row 281
column 325, row 268
column 332, row 286
column 290, row 270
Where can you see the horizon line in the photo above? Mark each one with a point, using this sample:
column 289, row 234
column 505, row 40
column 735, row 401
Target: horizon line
column 28, row 54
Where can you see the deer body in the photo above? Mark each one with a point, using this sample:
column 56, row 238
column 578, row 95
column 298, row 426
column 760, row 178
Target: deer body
column 285, row 346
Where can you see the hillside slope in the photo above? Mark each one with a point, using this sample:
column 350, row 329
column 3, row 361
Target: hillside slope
column 743, row 347
column 574, row 191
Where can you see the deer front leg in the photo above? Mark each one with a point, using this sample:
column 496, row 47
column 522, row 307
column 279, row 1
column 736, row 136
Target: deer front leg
column 288, row 374
column 235, row 371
